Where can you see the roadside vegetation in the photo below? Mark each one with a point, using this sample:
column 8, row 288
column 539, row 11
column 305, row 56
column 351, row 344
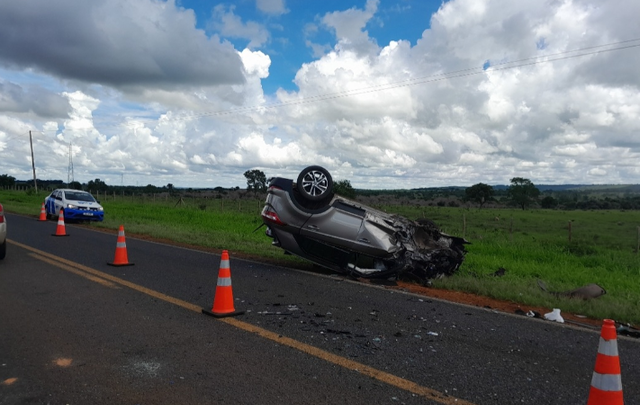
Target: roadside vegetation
column 565, row 249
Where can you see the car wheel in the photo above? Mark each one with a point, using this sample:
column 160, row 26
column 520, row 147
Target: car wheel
column 315, row 183
column 3, row 249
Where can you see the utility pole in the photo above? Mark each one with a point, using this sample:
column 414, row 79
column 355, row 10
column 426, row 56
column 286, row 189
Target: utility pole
column 33, row 163
column 70, row 178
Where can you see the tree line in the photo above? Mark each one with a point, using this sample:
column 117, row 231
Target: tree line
column 521, row 193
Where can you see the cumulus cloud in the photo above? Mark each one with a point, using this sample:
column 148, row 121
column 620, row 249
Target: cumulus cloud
column 228, row 24
column 349, row 26
column 36, row 100
column 272, row 7
column 119, row 43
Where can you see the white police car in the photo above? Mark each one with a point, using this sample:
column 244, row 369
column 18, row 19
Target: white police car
column 76, row 204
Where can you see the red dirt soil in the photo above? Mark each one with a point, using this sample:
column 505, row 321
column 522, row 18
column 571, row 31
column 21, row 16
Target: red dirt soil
column 491, row 303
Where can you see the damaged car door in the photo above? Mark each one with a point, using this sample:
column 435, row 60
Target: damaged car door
column 339, row 226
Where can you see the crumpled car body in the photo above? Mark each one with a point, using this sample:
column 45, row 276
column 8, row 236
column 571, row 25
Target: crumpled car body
column 351, row 238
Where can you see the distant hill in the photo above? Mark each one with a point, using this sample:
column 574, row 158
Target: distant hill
column 597, row 191
column 601, row 188
column 598, row 188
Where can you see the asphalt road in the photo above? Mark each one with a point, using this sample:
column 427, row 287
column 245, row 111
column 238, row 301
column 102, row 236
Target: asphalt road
column 74, row 330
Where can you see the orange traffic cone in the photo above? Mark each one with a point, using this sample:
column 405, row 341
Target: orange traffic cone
column 121, row 258
column 61, row 230
column 223, row 300
column 606, row 385
column 43, row 214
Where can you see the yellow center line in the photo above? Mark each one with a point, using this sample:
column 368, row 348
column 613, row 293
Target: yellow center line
column 379, row 375
column 109, row 277
column 75, row 271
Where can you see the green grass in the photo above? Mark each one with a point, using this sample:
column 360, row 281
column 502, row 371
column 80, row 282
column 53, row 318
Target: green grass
column 531, row 245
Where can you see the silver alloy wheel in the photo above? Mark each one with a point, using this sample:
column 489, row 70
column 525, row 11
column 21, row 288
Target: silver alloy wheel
column 315, row 183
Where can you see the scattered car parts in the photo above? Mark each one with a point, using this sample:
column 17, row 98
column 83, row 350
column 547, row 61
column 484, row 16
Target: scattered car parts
column 586, row 292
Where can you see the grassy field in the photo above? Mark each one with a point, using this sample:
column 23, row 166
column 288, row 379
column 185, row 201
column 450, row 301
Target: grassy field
column 564, row 249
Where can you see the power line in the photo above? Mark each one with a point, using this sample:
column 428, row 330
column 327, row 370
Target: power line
column 70, row 178
column 33, row 163
column 571, row 54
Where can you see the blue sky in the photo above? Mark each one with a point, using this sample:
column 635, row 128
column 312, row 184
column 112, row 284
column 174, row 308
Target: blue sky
column 383, row 93
column 289, row 31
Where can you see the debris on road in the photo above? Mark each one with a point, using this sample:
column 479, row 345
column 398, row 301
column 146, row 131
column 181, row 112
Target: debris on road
column 499, row 273
column 588, row 291
column 627, row 330
column 554, row 316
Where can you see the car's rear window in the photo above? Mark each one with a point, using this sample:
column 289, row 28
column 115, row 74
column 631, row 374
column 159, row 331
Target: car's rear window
column 77, row 196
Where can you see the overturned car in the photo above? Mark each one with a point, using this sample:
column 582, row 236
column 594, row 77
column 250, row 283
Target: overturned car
column 307, row 219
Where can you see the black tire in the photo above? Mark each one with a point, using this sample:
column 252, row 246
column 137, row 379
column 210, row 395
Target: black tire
column 3, row 250
column 46, row 210
column 315, row 183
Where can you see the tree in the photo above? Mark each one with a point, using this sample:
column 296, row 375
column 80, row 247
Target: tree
column 150, row 189
column 256, row 180
column 522, row 192
column 75, row 185
column 171, row 189
column 7, row 181
column 480, row 193
column 548, row 202
column 97, row 185
column 344, row 188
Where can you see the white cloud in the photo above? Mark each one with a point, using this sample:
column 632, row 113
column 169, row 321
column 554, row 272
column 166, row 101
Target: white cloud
column 124, row 44
column 256, row 63
column 596, row 171
column 349, row 26
column 273, row 7
column 228, row 24
column 31, row 101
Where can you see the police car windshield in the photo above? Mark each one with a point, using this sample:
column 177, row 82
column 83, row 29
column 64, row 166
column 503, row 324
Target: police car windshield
column 78, row 196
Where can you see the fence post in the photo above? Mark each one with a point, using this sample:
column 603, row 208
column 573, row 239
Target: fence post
column 464, row 225
column 511, row 230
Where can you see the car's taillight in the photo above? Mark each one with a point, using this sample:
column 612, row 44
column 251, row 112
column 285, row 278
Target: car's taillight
column 274, row 188
column 1, row 214
column 269, row 214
